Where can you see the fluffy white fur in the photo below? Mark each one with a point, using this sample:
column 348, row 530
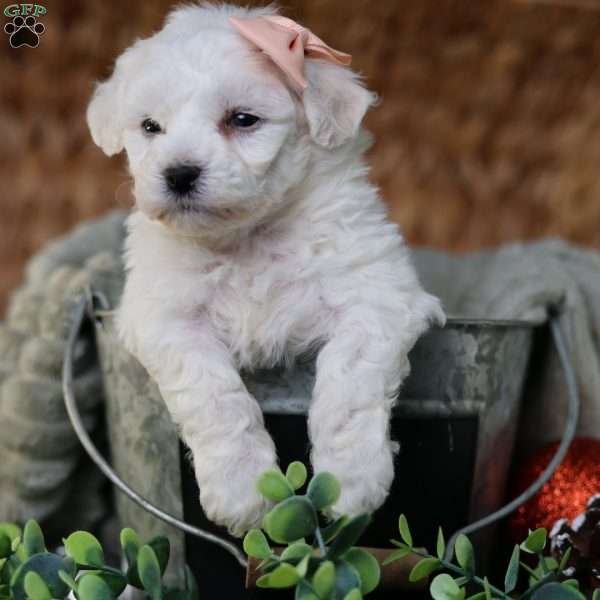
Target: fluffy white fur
column 286, row 247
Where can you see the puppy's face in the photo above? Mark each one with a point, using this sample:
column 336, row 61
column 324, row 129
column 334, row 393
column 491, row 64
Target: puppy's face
column 214, row 136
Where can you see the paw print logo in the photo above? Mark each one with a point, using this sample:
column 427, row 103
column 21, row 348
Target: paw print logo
column 24, row 32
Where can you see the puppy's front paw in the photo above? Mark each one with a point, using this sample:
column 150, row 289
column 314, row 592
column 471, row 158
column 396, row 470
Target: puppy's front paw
column 228, row 491
column 235, row 504
column 365, row 477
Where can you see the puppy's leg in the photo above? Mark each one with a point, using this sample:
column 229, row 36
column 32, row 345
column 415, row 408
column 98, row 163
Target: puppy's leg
column 358, row 374
column 218, row 419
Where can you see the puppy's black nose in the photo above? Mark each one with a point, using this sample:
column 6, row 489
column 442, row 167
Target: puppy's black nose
column 181, row 179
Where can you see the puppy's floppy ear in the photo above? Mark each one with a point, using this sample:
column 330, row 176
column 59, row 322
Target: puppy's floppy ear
column 105, row 113
column 335, row 102
column 103, row 116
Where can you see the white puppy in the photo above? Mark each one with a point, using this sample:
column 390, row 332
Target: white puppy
column 257, row 237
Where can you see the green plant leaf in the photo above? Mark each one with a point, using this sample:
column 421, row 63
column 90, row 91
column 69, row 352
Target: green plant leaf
column 540, row 571
column 479, row 596
column 323, row 580
column 348, row 535
column 298, row 550
column 191, row 585
column 85, row 549
column 68, row 579
column 256, row 544
column 266, row 566
column 92, row 587
column 487, row 589
column 535, row 542
column 551, row 563
column 160, row 545
column 263, row 581
column 290, row 520
column 296, row 474
column 149, row 572
column 465, row 555
column 512, row 572
column 5, row 545
column 162, row 548
column 556, row 591
column 596, row 595
column 272, row 484
column 33, row 538
column 396, row 555
column 353, row 595
column 133, row 577
column 302, row 566
column 346, row 578
column 47, row 566
column 571, row 583
column 304, row 591
column 284, row 576
column 405, row 531
column 11, row 530
column 330, row 531
column 441, row 544
column 9, row 567
column 35, row 588
column 443, row 587
column 366, row 566
column 69, row 565
column 564, row 561
column 423, row 569
column 323, row 490
column 117, row 582
column 19, row 550
column 131, row 544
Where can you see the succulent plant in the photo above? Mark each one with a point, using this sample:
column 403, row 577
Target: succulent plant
column 29, row 571
column 319, row 560
column 546, row 581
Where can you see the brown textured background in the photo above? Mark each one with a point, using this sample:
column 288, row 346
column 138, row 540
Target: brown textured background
column 489, row 129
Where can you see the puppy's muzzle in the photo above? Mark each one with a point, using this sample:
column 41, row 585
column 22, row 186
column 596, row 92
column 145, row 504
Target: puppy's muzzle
column 181, row 179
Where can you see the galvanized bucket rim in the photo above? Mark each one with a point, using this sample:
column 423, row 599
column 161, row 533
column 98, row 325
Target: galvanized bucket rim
column 489, row 323
column 451, row 322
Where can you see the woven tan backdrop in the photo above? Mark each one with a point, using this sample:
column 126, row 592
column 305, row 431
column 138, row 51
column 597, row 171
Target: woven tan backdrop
column 489, row 129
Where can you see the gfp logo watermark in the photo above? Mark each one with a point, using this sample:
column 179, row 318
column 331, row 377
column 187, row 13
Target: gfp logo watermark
column 24, row 29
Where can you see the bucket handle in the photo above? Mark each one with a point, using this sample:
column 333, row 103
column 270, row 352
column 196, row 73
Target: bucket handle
column 574, row 403
column 85, row 307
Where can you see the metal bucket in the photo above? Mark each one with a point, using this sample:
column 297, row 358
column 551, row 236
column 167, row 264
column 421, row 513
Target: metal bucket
column 456, row 420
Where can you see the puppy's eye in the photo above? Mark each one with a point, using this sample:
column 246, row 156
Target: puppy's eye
column 151, row 126
column 243, row 120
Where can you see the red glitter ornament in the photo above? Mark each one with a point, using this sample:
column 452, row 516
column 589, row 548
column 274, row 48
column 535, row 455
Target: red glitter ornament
column 567, row 492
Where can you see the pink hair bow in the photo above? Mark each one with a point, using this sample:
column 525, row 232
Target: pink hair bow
column 286, row 43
